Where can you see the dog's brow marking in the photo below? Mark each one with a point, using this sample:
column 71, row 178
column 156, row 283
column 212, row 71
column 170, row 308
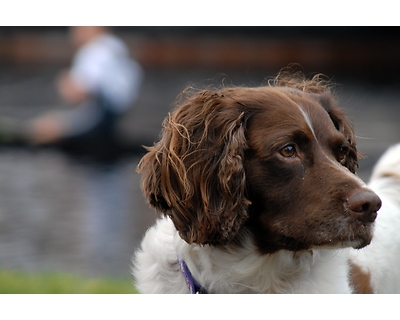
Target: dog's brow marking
column 308, row 121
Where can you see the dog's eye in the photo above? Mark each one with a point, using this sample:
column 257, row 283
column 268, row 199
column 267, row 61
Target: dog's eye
column 288, row 151
column 343, row 153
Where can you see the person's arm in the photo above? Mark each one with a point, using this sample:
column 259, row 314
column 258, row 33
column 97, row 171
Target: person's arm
column 71, row 91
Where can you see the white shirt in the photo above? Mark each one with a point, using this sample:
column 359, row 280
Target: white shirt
column 103, row 66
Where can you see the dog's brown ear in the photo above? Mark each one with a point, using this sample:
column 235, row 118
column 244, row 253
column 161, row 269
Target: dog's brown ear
column 195, row 174
column 343, row 125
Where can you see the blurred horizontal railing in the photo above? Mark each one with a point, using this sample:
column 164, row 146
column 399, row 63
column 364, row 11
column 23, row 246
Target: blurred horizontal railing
column 363, row 55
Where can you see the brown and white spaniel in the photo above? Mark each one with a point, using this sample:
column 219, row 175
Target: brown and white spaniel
column 258, row 194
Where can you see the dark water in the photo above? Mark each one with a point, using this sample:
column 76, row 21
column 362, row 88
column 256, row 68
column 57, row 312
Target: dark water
column 60, row 215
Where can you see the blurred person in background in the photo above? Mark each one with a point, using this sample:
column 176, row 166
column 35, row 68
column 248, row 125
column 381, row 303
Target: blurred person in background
column 101, row 85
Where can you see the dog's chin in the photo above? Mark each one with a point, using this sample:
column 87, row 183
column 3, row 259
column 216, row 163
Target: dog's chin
column 355, row 244
column 357, row 238
column 361, row 244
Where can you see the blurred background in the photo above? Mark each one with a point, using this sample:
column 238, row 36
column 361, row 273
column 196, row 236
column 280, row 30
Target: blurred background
column 44, row 217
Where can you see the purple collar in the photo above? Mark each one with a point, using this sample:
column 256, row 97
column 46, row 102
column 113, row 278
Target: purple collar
column 193, row 285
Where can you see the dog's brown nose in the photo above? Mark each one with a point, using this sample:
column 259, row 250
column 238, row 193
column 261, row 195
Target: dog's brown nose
column 364, row 204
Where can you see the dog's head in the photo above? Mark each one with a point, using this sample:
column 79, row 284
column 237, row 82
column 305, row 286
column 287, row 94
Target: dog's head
column 278, row 161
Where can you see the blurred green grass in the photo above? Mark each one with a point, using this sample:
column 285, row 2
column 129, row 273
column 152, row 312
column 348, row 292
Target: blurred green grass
column 17, row 282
